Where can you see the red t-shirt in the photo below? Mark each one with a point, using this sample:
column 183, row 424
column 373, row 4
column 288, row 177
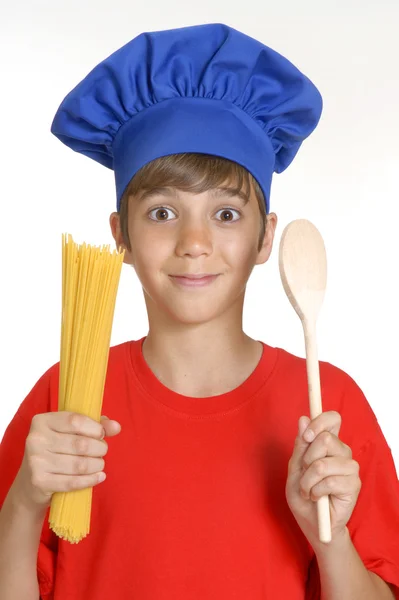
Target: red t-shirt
column 193, row 507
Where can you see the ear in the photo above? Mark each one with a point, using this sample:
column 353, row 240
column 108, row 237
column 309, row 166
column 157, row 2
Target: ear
column 115, row 224
column 267, row 245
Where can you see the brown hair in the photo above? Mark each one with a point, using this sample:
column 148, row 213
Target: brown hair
column 192, row 172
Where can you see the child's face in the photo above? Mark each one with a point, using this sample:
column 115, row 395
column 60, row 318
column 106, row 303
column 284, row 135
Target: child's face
column 179, row 233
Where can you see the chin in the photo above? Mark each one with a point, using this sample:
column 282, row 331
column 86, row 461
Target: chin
column 193, row 308
column 192, row 317
column 194, row 312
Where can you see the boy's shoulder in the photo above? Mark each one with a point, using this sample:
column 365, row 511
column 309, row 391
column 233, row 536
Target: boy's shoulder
column 330, row 373
column 117, row 351
column 339, row 392
column 43, row 396
column 121, row 354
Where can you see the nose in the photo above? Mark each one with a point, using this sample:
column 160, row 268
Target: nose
column 194, row 239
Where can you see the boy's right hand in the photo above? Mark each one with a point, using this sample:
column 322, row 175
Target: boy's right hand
column 63, row 452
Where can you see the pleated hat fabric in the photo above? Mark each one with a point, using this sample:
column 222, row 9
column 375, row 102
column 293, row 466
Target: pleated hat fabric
column 204, row 88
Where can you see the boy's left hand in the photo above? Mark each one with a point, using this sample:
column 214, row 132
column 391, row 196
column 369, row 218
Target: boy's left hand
column 318, row 468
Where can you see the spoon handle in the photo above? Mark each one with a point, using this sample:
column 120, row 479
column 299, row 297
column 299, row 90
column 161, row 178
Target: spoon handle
column 313, row 372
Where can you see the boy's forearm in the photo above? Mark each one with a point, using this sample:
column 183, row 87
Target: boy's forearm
column 343, row 575
column 20, row 529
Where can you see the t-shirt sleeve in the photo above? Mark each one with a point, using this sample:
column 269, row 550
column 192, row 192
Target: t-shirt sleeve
column 374, row 523
column 39, row 400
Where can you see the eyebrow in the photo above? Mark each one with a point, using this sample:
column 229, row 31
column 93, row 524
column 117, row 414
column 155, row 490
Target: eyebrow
column 217, row 192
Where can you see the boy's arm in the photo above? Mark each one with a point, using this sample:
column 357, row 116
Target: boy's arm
column 20, row 529
column 343, row 575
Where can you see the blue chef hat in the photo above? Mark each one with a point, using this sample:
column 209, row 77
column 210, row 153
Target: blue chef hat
column 205, row 88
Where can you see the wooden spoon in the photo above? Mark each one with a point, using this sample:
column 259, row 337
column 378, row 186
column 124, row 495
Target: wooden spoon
column 303, row 271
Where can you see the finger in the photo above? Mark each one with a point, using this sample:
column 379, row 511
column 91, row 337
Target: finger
column 71, row 422
column 340, row 486
column 64, row 464
column 111, row 427
column 326, row 444
column 327, row 421
column 66, row 483
column 300, row 447
column 77, row 445
column 335, row 466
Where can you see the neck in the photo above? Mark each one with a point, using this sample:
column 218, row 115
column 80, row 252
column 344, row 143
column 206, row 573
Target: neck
column 201, row 360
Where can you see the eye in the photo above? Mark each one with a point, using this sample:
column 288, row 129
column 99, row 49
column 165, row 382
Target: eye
column 229, row 211
column 160, row 211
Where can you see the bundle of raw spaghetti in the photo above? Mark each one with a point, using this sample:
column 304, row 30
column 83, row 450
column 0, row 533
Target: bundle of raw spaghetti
column 90, row 279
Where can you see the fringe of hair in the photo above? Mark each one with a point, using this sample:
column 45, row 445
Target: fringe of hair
column 191, row 172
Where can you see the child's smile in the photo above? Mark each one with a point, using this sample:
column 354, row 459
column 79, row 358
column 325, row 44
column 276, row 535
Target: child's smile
column 193, row 282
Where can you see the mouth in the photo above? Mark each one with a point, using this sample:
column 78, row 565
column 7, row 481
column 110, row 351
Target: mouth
column 191, row 280
column 195, row 275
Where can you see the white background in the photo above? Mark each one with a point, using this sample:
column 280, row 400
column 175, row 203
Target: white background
column 344, row 179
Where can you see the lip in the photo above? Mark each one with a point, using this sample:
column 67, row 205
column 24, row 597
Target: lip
column 195, row 275
column 198, row 280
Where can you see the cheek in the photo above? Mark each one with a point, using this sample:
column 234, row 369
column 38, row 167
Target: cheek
column 241, row 251
column 149, row 256
column 144, row 262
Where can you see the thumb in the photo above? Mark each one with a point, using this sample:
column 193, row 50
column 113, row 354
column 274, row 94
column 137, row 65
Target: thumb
column 111, row 427
column 302, row 425
column 300, row 446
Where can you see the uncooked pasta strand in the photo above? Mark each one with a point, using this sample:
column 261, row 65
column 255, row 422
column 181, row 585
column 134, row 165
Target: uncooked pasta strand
column 77, row 343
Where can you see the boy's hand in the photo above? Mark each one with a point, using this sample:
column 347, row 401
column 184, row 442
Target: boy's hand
column 318, row 468
column 63, row 452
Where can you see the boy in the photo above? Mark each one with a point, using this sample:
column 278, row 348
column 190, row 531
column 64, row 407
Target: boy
column 211, row 480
